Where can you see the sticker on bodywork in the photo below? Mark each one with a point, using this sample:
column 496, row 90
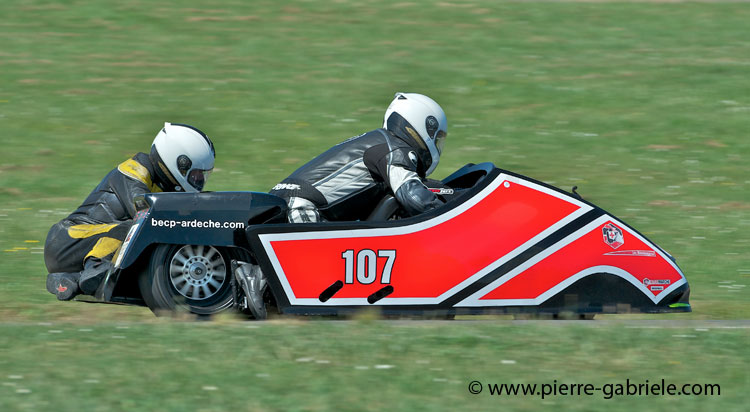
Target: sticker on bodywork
column 442, row 191
column 613, row 235
column 648, row 281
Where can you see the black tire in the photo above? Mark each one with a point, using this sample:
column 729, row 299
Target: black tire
column 207, row 295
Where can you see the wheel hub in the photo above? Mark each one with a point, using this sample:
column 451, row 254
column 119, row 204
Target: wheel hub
column 197, row 272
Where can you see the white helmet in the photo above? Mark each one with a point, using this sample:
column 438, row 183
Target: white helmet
column 186, row 153
column 425, row 123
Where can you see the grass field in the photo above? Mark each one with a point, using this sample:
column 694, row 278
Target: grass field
column 644, row 106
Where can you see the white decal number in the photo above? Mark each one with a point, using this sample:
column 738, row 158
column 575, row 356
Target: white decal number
column 367, row 266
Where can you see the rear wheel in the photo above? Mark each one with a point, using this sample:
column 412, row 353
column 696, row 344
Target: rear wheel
column 192, row 277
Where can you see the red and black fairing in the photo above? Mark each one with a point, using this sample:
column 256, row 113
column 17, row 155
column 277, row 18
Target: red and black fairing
column 502, row 243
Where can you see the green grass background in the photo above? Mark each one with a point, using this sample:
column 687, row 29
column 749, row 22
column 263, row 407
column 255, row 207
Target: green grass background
column 644, row 106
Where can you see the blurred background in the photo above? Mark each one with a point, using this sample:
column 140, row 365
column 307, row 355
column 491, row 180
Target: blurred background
column 644, row 106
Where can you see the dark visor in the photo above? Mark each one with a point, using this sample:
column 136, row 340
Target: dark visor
column 197, row 178
column 440, row 140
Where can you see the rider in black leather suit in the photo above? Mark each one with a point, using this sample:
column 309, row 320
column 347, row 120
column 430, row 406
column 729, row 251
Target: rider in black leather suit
column 79, row 249
column 347, row 181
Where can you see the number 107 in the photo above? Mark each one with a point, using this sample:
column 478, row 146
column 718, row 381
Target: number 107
column 367, row 265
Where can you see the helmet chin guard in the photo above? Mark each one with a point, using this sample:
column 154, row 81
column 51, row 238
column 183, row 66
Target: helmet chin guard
column 187, row 154
column 425, row 121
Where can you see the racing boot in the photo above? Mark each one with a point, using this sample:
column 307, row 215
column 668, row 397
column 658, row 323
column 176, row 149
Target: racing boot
column 93, row 273
column 253, row 283
column 64, row 285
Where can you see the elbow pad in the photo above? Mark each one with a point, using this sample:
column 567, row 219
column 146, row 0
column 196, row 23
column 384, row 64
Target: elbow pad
column 415, row 198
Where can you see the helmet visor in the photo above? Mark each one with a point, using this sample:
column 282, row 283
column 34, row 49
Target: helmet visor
column 197, row 178
column 440, row 140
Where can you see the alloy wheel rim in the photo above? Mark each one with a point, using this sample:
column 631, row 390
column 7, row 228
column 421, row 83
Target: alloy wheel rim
column 197, row 272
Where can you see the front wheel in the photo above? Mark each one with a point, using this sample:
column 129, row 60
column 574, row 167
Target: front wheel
column 194, row 277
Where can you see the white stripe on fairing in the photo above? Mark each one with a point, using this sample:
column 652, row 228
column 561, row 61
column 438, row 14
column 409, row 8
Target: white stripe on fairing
column 266, row 240
column 416, row 227
column 474, row 299
column 569, row 281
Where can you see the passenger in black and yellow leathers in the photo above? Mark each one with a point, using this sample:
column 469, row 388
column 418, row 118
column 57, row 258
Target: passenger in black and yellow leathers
column 79, row 249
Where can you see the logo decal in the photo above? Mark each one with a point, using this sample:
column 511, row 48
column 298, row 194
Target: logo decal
column 286, row 186
column 612, row 235
column 432, row 125
column 61, row 288
column 648, row 281
column 442, row 191
column 413, row 158
column 644, row 253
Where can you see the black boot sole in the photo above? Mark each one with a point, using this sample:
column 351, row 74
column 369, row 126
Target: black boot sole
column 63, row 285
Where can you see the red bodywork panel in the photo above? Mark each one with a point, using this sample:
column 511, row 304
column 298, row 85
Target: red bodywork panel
column 431, row 261
column 645, row 264
column 428, row 261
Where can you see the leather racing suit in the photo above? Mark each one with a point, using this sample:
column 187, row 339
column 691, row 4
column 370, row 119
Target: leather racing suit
column 347, row 181
column 86, row 240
